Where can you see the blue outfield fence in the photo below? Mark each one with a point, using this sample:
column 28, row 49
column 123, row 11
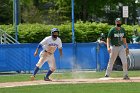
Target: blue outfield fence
column 20, row 57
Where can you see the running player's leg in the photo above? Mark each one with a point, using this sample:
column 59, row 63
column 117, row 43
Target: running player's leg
column 113, row 56
column 42, row 60
column 52, row 66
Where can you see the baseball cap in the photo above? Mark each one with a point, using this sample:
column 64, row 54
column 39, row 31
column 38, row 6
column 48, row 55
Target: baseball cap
column 54, row 30
column 118, row 19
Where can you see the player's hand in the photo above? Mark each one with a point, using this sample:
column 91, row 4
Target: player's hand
column 127, row 51
column 61, row 55
column 109, row 50
column 36, row 52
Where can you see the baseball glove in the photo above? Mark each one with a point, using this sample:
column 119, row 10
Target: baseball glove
column 127, row 51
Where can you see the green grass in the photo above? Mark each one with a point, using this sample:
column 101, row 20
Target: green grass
column 65, row 75
column 130, row 87
column 77, row 88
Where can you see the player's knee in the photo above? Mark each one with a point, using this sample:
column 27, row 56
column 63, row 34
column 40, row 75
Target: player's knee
column 52, row 69
column 38, row 65
column 124, row 64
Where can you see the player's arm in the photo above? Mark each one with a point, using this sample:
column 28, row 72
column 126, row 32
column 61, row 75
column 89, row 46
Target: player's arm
column 60, row 47
column 60, row 51
column 124, row 40
column 40, row 45
column 127, row 49
column 108, row 45
column 125, row 43
column 36, row 51
column 108, row 40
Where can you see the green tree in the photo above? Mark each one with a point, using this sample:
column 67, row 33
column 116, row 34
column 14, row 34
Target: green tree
column 6, row 13
column 59, row 11
column 29, row 12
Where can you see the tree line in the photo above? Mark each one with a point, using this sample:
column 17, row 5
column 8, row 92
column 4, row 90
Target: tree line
column 59, row 11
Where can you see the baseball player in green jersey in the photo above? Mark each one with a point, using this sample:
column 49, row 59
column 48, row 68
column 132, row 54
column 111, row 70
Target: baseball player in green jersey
column 117, row 46
column 136, row 37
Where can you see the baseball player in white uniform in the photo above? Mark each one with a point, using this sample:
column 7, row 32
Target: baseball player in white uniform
column 49, row 45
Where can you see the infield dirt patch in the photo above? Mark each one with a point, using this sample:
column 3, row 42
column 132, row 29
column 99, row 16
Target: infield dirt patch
column 68, row 81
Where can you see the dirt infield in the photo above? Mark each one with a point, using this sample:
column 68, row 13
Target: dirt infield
column 68, row 81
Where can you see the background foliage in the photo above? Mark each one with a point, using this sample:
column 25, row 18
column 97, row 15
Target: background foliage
column 84, row 31
column 59, row 11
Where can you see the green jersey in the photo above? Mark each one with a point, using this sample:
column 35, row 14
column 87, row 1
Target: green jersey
column 116, row 36
column 136, row 38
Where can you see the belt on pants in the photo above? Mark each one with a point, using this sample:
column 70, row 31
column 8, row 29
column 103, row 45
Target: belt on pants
column 116, row 45
column 48, row 52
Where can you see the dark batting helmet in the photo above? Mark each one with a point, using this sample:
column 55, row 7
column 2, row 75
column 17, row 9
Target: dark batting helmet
column 54, row 30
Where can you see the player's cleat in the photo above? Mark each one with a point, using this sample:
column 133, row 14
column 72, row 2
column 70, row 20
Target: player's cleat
column 126, row 77
column 47, row 79
column 32, row 78
column 106, row 76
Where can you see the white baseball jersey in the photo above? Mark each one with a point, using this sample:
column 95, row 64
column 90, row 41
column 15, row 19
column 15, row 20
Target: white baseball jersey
column 50, row 45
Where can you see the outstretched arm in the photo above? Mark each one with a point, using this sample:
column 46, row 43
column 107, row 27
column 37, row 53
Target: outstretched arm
column 60, row 51
column 36, row 51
